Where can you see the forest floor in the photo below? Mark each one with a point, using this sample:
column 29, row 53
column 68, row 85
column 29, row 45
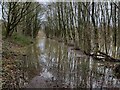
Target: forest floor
column 11, row 55
column 12, row 52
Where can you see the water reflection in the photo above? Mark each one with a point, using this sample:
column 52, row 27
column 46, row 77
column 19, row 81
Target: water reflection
column 42, row 44
column 30, row 66
column 71, row 67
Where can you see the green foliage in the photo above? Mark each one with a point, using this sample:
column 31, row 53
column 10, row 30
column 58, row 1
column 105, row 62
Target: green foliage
column 21, row 39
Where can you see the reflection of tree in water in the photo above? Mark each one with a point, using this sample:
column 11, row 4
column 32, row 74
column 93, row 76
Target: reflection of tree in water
column 31, row 63
column 78, row 71
column 66, row 67
column 117, row 71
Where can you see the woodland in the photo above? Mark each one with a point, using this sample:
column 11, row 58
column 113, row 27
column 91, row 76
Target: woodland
column 92, row 28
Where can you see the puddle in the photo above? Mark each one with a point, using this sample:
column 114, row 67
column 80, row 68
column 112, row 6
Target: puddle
column 69, row 67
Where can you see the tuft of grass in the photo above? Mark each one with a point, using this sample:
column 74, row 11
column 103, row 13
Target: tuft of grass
column 21, row 39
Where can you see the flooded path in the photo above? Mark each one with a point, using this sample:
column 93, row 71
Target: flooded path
column 53, row 64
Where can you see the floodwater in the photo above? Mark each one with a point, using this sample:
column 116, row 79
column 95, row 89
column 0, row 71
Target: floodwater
column 64, row 67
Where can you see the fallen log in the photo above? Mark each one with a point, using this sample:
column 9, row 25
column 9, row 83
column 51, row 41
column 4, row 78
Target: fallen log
column 109, row 58
column 103, row 56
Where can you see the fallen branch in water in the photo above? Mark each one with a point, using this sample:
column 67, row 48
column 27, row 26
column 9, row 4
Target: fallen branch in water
column 102, row 56
column 109, row 58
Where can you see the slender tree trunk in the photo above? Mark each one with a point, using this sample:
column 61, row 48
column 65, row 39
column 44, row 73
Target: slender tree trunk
column 115, row 29
column 119, row 26
column 95, row 29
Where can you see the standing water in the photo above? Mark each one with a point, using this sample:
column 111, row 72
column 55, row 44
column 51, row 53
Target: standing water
column 51, row 61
